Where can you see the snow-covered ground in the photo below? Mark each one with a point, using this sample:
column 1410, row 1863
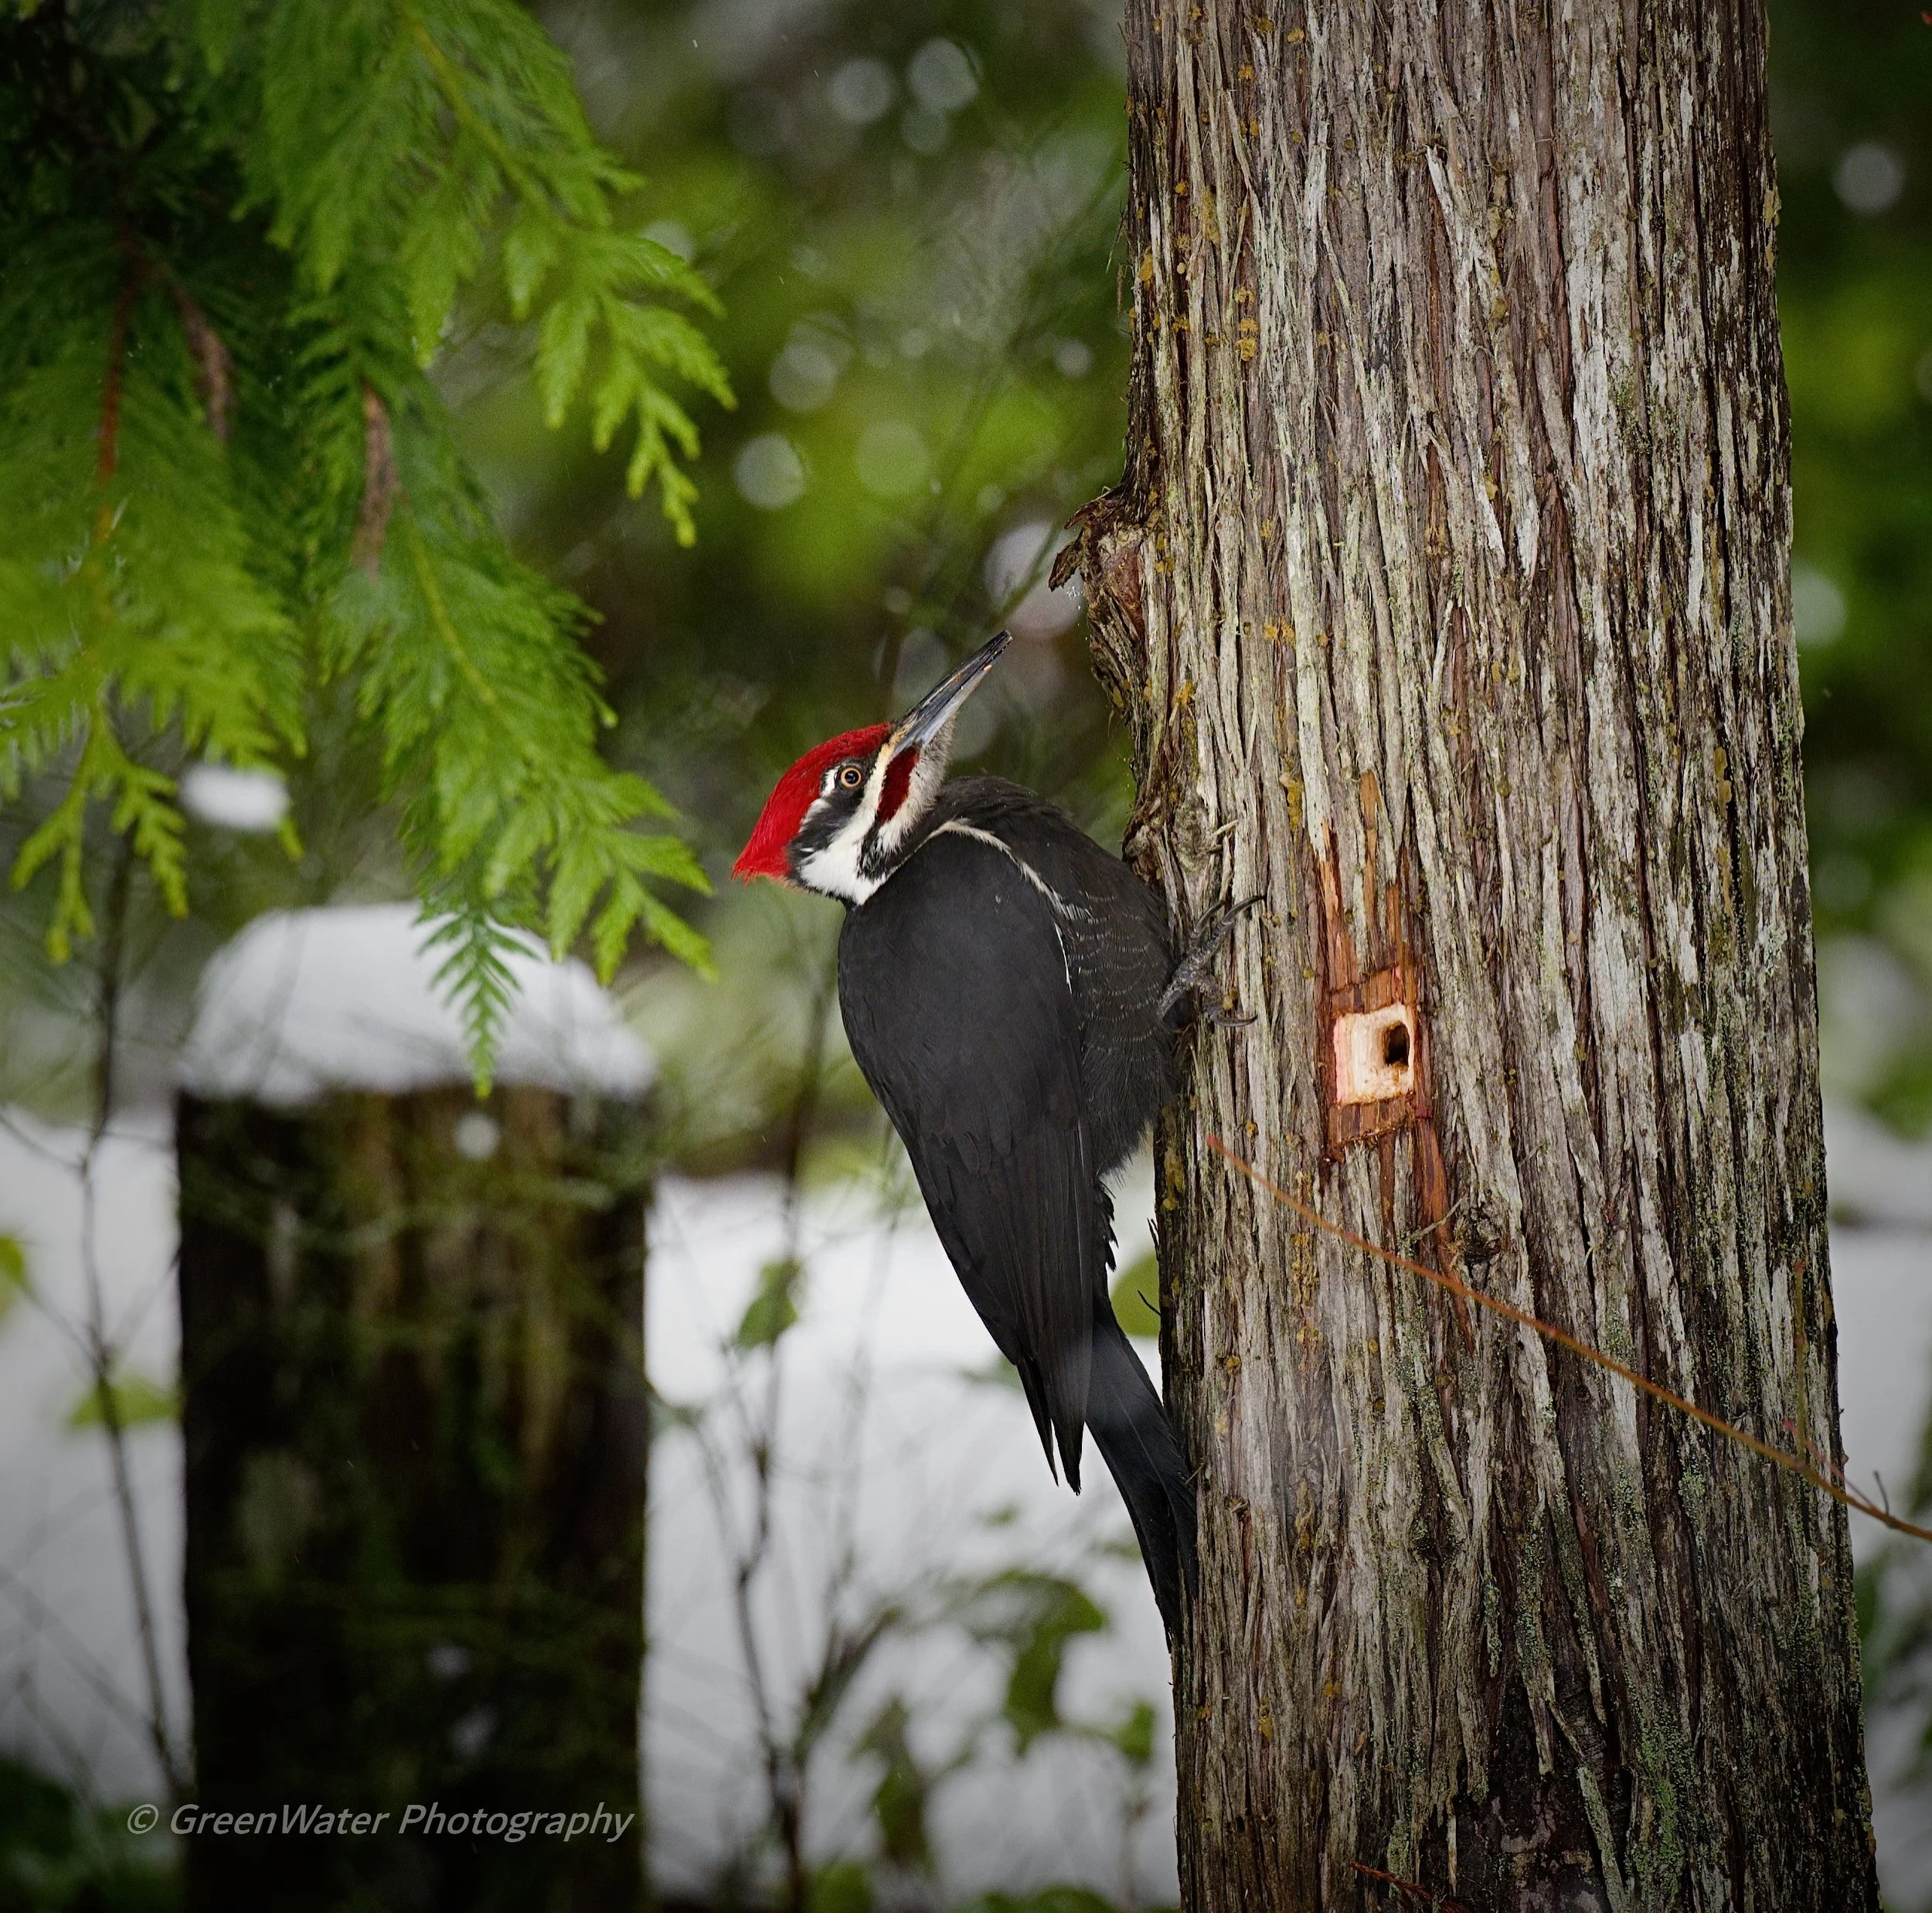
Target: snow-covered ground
column 882, row 1437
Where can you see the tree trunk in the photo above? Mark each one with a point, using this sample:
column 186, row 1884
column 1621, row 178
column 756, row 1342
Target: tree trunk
column 1446, row 593
column 415, row 1422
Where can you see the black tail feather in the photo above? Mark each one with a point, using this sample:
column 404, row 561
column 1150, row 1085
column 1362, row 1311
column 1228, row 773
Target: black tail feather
column 1142, row 1453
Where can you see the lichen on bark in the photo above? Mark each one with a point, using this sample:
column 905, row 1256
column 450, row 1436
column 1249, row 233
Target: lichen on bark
column 1446, row 591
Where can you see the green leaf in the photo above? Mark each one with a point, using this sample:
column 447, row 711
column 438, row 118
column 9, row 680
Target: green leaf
column 773, row 1306
column 219, row 24
column 615, row 394
column 667, row 857
column 660, row 269
column 14, row 1286
column 444, row 246
column 530, row 249
column 611, row 931
column 528, row 831
column 667, row 339
column 581, row 873
column 1033, row 1617
column 677, row 937
column 1136, row 1294
column 136, row 1399
column 900, row 1800
column 1133, row 1734
column 844, row 1886
column 475, row 976
column 563, row 345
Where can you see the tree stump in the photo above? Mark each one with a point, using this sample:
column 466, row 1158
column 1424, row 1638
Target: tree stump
column 416, row 1425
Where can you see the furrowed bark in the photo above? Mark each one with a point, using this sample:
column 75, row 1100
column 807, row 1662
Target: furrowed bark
column 1446, row 593
column 416, row 1436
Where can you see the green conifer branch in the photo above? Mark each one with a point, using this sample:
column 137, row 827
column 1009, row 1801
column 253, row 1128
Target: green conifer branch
column 225, row 479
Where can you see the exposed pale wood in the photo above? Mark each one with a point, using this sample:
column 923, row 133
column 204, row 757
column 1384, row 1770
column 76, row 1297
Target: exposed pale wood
column 1447, row 594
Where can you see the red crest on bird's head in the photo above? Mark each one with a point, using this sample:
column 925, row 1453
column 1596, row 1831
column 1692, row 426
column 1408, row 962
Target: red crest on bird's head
column 846, row 813
column 785, row 810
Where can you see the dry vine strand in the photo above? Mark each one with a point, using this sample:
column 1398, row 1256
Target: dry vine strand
column 1410, row 1888
column 1832, row 1484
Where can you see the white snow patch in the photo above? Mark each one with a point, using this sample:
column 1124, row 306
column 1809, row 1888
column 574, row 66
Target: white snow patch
column 304, row 1002
column 250, row 802
column 1874, row 1176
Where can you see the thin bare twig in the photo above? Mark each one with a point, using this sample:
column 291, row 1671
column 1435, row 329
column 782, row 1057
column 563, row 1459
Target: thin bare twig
column 32, row 1143
column 380, row 483
column 102, row 1353
column 844, row 1547
column 113, row 384
column 1794, row 1464
column 215, row 369
column 79, row 1656
column 750, row 1554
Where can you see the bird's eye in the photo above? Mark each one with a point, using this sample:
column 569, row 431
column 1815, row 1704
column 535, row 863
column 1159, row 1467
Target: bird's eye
column 851, row 777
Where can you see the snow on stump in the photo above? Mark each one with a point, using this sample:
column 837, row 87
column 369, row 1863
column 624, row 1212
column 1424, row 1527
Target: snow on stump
column 415, row 1424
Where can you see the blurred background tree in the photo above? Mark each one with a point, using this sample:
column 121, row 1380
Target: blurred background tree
column 1854, row 143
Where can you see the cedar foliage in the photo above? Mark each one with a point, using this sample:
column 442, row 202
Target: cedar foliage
column 232, row 237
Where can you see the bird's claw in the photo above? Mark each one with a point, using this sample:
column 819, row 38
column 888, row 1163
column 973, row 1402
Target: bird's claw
column 1191, row 976
column 1221, row 1017
column 1212, row 930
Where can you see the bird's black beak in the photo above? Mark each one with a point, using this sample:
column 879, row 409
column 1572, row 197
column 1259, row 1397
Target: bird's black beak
column 939, row 707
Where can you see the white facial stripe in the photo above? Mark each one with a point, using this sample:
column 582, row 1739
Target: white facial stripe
column 834, row 868
column 865, row 851
column 1061, row 907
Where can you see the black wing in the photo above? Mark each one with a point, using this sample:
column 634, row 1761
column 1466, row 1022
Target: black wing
column 961, row 1014
column 1118, row 949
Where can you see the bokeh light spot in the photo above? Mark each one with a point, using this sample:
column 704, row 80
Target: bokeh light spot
column 769, row 472
column 941, row 76
column 1818, row 606
column 1869, row 177
column 862, row 91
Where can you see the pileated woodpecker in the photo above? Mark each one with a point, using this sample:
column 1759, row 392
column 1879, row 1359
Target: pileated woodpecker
column 1014, row 997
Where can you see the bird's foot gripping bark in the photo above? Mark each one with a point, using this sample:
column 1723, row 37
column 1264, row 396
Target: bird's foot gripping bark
column 1193, row 976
